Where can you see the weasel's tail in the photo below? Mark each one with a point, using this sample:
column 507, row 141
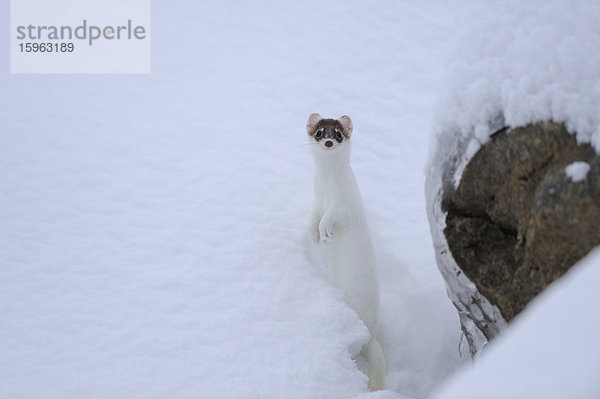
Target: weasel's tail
column 376, row 365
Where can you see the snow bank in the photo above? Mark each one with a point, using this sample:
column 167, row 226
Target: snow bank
column 520, row 62
column 551, row 349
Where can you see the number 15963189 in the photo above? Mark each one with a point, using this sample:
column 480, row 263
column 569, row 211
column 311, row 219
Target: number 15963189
column 46, row 47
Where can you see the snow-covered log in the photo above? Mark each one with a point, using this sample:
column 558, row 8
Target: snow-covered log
column 509, row 205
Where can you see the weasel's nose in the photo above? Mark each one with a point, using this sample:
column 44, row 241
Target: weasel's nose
column 328, row 143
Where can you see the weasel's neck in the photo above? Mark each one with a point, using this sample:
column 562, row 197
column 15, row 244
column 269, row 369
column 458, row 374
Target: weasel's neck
column 332, row 163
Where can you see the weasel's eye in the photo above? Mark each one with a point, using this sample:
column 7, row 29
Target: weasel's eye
column 318, row 134
column 338, row 135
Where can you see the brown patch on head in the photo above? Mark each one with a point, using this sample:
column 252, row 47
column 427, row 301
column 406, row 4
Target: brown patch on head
column 333, row 129
column 329, row 129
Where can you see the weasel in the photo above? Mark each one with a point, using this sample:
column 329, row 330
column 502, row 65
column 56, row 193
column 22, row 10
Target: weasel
column 339, row 226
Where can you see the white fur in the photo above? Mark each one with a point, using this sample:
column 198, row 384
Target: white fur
column 339, row 227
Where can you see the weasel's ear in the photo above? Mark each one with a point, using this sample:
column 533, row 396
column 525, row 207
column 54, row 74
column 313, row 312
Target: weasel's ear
column 311, row 124
column 346, row 124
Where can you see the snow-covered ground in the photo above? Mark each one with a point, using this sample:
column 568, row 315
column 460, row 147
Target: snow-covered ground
column 151, row 226
column 151, row 235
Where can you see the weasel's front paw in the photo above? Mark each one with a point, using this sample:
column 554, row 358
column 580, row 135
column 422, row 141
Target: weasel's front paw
column 325, row 231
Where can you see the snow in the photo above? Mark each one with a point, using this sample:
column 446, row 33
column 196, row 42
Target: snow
column 550, row 350
column 525, row 62
column 152, row 225
column 515, row 63
column 577, row 171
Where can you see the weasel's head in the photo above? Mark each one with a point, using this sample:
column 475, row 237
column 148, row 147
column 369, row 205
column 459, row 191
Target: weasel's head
column 329, row 134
